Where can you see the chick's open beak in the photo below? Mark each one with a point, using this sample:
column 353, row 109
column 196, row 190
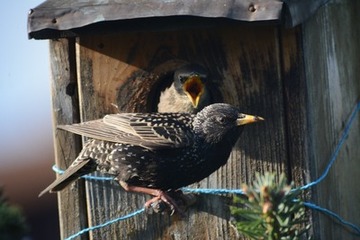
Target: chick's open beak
column 246, row 119
column 194, row 88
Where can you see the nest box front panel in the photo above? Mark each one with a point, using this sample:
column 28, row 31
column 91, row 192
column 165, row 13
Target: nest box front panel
column 126, row 72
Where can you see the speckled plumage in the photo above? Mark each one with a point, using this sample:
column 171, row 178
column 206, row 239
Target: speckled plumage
column 177, row 97
column 162, row 151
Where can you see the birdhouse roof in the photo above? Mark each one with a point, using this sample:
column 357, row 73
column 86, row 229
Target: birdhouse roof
column 68, row 18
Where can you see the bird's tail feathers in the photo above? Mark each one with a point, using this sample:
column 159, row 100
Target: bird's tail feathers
column 71, row 174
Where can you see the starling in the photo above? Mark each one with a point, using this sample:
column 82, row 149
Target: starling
column 188, row 92
column 156, row 153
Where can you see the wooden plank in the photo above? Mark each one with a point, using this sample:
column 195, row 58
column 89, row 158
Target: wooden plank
column 332, row 50
column 295, row 108
column 244, row 64
column 295, row 105
column 71, row 201
column 68, row 18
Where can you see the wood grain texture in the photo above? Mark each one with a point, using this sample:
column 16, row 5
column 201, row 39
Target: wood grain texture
column 332, row 50
column 126, row 70
column 295, row 110
column 71, row 201
column 303, row 81
column 295, row 104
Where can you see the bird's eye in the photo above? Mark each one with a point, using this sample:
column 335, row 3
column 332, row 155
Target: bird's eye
column 182, row 79
column 221, row 119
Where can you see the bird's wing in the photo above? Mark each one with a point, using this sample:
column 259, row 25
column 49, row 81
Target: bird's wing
column 151, row 130
column 96, row 129
column 154, row 130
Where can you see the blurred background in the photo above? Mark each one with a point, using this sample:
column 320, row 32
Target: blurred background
column 26, row 144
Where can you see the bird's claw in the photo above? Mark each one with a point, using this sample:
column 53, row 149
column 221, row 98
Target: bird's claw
column 159, row 206
column 170, row 202
column 163, row 203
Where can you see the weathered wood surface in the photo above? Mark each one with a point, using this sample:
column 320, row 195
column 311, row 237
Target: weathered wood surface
column 331, row 48
column 295, row 105
column 244, row 63
column 71, row 201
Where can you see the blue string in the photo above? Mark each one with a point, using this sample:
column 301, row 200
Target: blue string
column 239, row 191
column 85, row 230
column 213, row 191
column 332, row 214
column 88, row 177
column 337, row 149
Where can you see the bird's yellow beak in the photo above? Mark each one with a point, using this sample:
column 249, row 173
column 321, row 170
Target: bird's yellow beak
column 194, row 88
column 246, row 119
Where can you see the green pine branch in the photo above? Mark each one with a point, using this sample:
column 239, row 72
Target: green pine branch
column 12, row 222
column 270, row 210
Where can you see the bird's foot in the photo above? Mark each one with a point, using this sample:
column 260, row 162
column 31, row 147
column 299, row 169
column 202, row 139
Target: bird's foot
column 162, row 203
column 182, row 201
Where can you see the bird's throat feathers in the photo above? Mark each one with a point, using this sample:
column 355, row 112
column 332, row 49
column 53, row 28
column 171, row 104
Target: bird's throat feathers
column 229, row 138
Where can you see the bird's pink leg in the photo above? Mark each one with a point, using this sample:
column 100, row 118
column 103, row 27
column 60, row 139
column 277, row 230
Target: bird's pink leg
column 158, row 195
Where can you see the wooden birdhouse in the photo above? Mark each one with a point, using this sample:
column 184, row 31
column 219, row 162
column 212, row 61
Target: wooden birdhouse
column 293, row 62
